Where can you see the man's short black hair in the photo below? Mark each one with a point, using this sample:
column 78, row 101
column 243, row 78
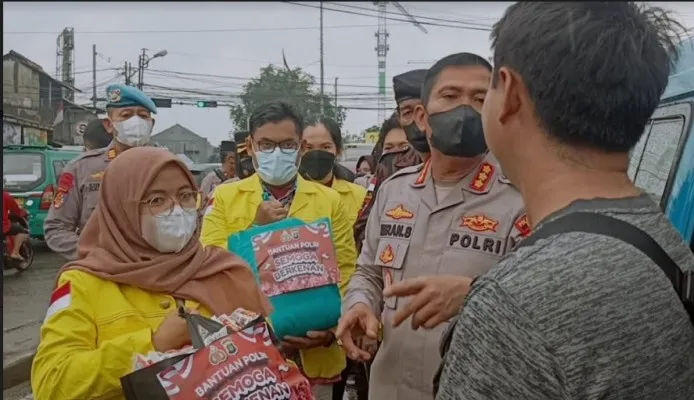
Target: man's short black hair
column 453, row 60
column 595, row 71
column 95, row 135
column 274, row 112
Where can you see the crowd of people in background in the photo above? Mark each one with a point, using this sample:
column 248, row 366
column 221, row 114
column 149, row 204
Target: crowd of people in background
column 470, row 258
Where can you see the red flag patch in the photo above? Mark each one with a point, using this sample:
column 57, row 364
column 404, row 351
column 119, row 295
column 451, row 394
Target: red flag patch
column 60, row 299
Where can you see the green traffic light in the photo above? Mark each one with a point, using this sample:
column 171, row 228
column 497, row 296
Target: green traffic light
column 201, row 104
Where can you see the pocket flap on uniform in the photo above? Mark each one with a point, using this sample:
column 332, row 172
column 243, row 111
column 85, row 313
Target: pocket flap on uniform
column 391, row 253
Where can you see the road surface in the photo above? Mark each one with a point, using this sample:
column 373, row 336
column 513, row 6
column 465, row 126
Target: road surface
column 25, row 298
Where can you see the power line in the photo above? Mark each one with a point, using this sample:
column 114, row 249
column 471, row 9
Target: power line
column 418, row 17
column 392, row 18
column 295, row 28
column 245, row 79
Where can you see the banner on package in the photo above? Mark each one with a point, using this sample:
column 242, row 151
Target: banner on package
column 295, row 259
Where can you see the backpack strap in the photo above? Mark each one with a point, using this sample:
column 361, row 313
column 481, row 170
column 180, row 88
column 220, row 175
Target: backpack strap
column 588, row 222
column 219, row 174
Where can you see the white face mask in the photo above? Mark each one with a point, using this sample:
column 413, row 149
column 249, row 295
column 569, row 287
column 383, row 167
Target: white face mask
column 134, row 131
column 169, row 233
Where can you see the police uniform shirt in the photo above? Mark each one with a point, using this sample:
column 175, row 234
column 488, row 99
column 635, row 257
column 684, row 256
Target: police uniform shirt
column 77, row 192
column 410, row 233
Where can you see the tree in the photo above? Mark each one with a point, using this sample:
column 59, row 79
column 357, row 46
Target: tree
column 293, row 86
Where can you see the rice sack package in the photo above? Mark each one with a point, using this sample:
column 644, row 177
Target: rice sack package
column 296, row 267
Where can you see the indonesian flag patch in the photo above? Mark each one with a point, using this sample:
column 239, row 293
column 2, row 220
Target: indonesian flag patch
column 210, row 204
column 60, row 300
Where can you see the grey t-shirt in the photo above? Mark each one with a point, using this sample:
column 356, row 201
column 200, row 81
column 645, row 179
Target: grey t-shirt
column 577, row 316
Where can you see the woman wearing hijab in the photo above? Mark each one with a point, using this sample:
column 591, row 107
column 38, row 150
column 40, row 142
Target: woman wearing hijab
column 139, row 256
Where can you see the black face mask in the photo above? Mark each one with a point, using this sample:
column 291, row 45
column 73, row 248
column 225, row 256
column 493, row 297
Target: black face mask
column 316, row 164
column 458, row 132
column 244, row 167
column 417, row 138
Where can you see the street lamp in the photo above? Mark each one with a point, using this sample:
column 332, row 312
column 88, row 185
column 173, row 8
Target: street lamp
column 144, row 63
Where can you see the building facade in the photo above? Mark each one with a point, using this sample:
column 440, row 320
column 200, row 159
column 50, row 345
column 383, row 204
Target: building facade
column 31, row 101
column 180, row 140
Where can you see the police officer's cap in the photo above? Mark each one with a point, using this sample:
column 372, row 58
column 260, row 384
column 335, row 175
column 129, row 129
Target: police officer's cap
column 226, row 146
column 120, row 95
column 240, row 136
column 408, row 85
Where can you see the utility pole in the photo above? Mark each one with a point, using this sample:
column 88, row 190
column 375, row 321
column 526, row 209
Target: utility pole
column 322, row 80
column 335, row 92
column 141, row 72
column 127, row 73
column 94, row 76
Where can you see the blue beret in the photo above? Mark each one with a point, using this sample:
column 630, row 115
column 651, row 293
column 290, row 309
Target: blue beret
column 120, row 95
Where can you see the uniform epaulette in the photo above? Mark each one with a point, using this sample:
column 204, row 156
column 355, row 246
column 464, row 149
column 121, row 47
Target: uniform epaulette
column 90, row 153
column 405, row 171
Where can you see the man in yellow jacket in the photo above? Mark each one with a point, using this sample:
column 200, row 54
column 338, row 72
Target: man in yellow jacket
column 277, row 191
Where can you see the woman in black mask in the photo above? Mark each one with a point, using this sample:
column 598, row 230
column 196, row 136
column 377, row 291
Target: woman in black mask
column 324, row 146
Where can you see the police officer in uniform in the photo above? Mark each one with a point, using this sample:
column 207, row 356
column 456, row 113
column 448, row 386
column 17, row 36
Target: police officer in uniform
column 227, row 152
column 454, row 215
column 244, row 162
column 407, row 88
column 130, row 123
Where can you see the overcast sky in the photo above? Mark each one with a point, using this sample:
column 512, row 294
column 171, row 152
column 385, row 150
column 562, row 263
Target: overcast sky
column 219, row 46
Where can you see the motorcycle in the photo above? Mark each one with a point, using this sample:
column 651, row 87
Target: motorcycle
column 26, row 251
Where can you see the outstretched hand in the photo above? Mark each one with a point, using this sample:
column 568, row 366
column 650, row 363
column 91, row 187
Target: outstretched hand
column 436, row 299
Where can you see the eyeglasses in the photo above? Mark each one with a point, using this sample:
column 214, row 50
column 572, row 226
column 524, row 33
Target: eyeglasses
column 163, row 205
column 286, row 147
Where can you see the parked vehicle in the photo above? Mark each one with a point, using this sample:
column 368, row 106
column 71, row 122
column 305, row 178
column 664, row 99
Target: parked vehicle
column 352, row 154
column 662, row 163
column 32, row 173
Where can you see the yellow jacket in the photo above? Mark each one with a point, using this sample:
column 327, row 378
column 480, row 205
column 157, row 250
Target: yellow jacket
column 352, row 197
column 87, row 346
column 234, row 208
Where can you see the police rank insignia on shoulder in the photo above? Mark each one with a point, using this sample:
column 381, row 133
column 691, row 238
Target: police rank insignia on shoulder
column 111, row 154
column 424, row 173
column 98, row 176
column 482, row 179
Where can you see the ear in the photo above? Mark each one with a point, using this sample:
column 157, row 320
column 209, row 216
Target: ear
column 421, row 119
column 511, row 86
column 249, row 146
column 108, row 125
column 302, row 147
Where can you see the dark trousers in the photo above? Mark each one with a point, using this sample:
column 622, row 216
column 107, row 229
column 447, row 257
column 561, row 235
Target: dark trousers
column 359, row 371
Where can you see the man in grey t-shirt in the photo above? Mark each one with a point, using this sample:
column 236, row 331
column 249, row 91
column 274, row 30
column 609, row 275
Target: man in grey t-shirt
column 575, row 315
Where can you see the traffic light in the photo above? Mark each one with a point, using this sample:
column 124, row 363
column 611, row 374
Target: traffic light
column 206, row 104
column 162, row 103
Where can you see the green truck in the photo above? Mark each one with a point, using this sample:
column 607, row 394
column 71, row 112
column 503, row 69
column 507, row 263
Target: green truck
column 31, row 175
